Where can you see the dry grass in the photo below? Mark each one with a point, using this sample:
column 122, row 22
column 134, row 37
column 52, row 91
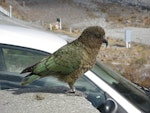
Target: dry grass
column 129, row 62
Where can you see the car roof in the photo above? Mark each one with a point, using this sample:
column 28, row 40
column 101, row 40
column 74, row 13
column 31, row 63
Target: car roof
column 31, row 38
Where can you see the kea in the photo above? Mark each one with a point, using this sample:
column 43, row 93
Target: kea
column 70, row 61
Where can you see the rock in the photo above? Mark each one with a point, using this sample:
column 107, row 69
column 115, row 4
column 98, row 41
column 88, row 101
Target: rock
column 43, row 102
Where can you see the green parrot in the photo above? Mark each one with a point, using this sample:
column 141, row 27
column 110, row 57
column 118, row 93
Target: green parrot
column 70, row 61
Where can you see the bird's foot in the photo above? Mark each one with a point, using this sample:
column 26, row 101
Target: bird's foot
column 75, row 93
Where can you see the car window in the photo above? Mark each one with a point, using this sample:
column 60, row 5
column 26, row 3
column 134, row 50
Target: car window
column 2, row 62
column 94, row 94
column 16, row 59
column 123, row 86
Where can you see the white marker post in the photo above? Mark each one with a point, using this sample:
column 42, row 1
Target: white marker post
column 10, row 11
column 59, row 22
column 70, row 30
column 23, row 3
column 50, row 27
column 128, row 38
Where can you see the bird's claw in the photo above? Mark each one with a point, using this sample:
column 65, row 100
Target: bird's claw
column 75, row 93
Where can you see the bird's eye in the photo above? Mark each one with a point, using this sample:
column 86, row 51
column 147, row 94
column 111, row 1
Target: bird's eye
column 97, row 34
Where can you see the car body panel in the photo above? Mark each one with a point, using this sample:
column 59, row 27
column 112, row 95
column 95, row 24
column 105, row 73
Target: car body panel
column 31, row 38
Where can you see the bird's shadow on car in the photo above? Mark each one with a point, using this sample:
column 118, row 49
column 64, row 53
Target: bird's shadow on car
column 118, row 45
column 55, row 89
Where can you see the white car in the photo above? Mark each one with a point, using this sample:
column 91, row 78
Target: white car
column 106, row 90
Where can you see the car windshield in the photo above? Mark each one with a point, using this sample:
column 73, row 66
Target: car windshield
column 123, row 86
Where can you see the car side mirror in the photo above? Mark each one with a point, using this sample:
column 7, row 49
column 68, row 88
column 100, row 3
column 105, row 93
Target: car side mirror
column 110, row 106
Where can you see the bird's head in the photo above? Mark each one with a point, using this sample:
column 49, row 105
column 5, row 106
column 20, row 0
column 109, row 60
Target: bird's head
column 93, row 35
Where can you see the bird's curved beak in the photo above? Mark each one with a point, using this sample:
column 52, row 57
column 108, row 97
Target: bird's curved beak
column 105, row 41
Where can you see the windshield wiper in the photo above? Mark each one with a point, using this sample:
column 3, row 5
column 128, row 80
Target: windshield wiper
column 146, row 90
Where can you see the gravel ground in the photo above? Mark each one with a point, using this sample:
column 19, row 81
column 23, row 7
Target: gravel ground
column 140, row 35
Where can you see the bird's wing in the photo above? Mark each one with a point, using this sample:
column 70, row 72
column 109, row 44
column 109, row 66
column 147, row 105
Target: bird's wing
column 63, row 61
column 31, row 68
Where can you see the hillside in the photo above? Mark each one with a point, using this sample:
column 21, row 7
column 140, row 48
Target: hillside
column 80, row 13
column 115, row 16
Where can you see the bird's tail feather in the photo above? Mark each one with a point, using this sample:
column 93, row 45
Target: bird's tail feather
column 28, row 69
column 29, row 79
